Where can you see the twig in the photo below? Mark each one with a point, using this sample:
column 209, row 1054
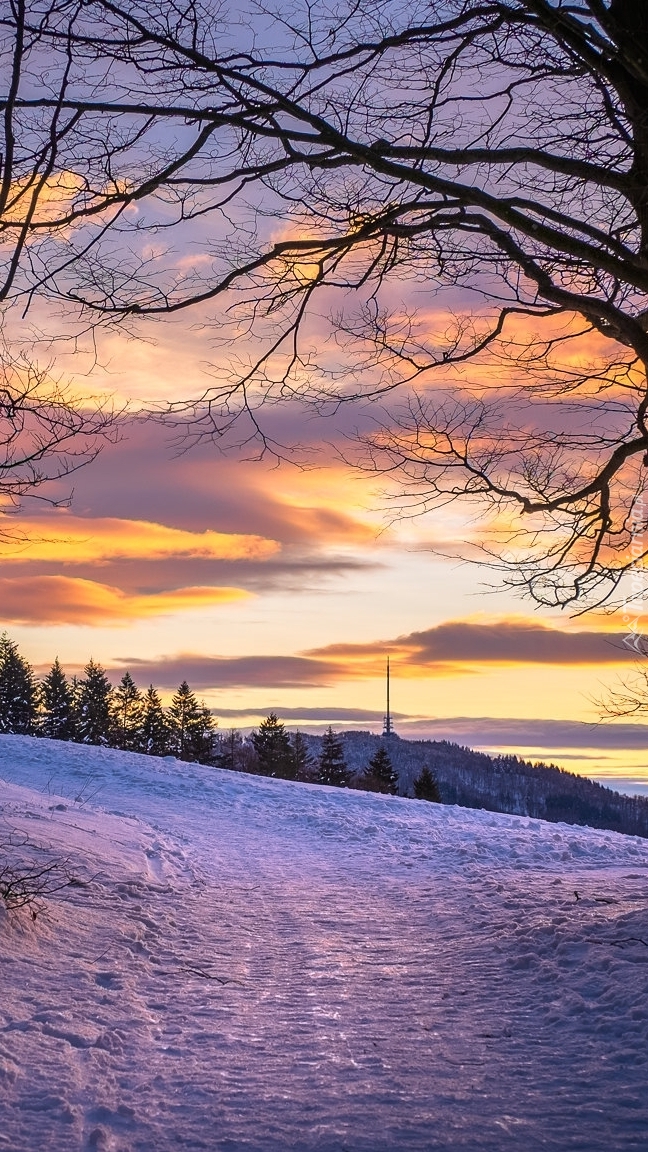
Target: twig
column 207, row 976
column 618, row 943
column 22, row 883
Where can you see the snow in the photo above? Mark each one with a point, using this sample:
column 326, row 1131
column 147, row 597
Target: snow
column 246, row 964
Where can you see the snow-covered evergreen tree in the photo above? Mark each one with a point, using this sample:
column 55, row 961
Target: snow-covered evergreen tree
column 127, row 715
column 95, row 724
column 57, row 717
column 426, row 786
column 272, row 746
column 192, row 726
column 155, row 730
column 332, row 767
column 17, row 690
column 380, row 775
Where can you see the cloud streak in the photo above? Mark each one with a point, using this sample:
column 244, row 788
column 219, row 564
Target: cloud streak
column 547, row 735
column 77, row 540
column 466, row 643
column 331, row 715
column 54, row 600
column 234, row 672
column 448, row 649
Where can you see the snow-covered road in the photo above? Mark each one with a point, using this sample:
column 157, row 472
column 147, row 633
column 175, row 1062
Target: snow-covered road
column 254, row 965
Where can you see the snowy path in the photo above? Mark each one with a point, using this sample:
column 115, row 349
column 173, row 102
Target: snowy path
column 259, row 966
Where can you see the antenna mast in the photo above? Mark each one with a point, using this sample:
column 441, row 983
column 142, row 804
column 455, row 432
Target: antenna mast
column 388, row 728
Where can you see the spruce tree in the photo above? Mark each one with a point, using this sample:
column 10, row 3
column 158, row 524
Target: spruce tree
column 192, row 726
column 95, row 723
column 380, row 775
column 17, row 690
column 332, row 767
column 426, row 786
column 155, row 730
column 203, row 736
column 127, row 715
column 304, row 765
column 272, row 746
column 58, row 719
column 183, row 714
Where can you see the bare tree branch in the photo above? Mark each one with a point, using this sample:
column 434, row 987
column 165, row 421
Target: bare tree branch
column 25, row 880
column 331, row 164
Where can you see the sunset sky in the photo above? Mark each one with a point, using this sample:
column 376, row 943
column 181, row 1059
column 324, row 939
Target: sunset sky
column 283, row 582
column 282, row 587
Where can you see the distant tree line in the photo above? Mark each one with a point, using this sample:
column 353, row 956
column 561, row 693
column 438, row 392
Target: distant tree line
column 272, row 751
column 89, row 710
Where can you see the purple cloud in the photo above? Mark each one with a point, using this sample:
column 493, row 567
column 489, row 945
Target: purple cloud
column 330, row 715
column 236, row 672
column 501, row 642
column 550, row 735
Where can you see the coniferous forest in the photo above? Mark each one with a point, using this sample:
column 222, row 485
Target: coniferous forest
column 88, row 709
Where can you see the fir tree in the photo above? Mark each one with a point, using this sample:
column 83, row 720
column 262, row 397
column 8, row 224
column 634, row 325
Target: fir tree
column 127, row 715
column 155, row 730
column 94, row 712
column 303, row 763
column 183, row 712
column 380, row 775
column 17, row 690
column 332, row 767
column 192, row 726
column 426, row 786
column 272, row 746
column 58, row 714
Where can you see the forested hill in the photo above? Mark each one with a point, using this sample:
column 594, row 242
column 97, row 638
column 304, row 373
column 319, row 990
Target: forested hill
column 503, row 783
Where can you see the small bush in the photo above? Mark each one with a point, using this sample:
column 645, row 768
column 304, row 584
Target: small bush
column 24, row 883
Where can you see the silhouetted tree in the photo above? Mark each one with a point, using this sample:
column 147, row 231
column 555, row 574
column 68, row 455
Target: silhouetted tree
column 272, row 746
column 127, row 714
column 155, row 730
column 426, row 786
column 17, row 690
column 303, row 763
column 192, row 726
column 380, row 775
column 203, row 736
column 332, row 767
column 57, row 718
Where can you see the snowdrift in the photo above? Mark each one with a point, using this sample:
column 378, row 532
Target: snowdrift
column 246, row 964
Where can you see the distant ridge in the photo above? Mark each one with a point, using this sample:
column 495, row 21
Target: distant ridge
column 502, row 783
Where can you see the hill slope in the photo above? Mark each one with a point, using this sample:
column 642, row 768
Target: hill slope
column 246, row 964
column 503, row 783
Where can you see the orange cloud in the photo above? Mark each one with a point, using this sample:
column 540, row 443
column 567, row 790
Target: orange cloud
column 75, row 540
column 64, row 600
column 56, row 197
